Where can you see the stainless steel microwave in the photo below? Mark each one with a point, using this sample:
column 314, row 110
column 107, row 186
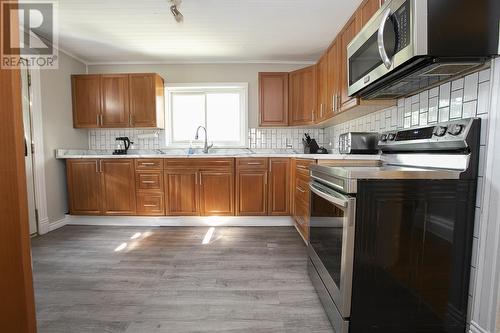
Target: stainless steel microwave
column 409, row 45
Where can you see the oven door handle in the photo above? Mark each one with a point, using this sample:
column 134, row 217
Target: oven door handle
column 380, row 40
column 337, row 199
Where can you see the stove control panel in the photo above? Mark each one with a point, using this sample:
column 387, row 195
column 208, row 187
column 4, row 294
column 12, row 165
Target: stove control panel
column 449, row 135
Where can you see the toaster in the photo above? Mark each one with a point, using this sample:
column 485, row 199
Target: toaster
column 358, row 143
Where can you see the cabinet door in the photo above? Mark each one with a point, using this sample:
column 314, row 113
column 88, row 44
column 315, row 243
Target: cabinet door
column 322, row 87
column 333, row 80
column 118, row 186
column 273, row 99
column 86, row 95
column 181, row 192
column 346, row 36
column 295, row 98
column 146, row 100
column 216, row 193
column 366, row 11
column 84, row 186
column 279, row 186
column 115, row 100
column 309, row 84
column 251, row 192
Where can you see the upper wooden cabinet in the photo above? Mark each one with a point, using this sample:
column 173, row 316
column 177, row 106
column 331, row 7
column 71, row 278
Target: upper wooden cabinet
column 366, row 11
column 322, row 85
column 147, row 100
column 346, row 36
column 273, row 99
column 115, row 101
column 118, row 100
column 86, row 92
column 302, row 96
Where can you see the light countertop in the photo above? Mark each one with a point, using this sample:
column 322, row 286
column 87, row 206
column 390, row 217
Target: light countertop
column 216, row 152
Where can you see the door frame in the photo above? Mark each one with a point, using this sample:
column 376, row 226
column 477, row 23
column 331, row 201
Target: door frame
column 39, row 153
column 487, row 287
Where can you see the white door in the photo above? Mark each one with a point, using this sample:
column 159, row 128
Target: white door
column 28, row 153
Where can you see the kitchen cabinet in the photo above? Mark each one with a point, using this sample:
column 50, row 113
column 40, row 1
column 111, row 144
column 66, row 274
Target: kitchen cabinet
column 302, row 96
column 346, row 36
column 86, row 98
column 118, row 101
column 366, row 10
column 300, row 190
column 216, row 193
column 147, row 102
column 118, row 186
column 101, row 187
column 115, row 101
column 84, row 186
column 322, row 87
column 251, row 186
column 333, row 80
column 149, row 184
column 279, row 186
column 202, row 186
column 273, row 99
column 181, row 192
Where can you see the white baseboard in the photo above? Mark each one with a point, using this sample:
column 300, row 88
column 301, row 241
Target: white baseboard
column 181, row 221
column 58, row 224
column 43, row 226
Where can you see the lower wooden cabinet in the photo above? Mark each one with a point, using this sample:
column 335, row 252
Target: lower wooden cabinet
column 118, row 186
column 216, row 193
column 84, row 186
column 251, row 192
column 181, row 192
column 279, row 186
column 101, row 187
column 300, row 195
column 150, row 204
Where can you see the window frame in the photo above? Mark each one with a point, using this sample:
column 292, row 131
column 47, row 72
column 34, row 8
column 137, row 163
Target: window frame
column 204, row 88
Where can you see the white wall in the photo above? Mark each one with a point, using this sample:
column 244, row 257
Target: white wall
column 189, row 73
column 58, row 131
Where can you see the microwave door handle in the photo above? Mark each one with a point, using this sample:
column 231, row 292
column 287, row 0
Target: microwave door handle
column 380, row 40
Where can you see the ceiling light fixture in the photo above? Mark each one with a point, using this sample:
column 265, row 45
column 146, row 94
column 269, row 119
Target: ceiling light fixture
column 175, row 11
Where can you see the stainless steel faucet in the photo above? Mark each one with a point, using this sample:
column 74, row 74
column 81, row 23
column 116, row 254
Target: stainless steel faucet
column 207, row 147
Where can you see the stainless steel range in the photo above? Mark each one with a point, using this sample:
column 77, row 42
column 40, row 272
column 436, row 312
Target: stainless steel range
column 390, row 246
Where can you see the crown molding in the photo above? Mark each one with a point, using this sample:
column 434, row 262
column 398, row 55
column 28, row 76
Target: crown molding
column 263, row 62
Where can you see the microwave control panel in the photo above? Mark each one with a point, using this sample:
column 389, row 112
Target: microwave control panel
column 402, row 22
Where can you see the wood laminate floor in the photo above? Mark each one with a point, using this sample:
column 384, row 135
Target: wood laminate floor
column 132, row 279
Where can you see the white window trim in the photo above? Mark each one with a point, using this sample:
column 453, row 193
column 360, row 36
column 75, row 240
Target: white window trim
column 204, row 87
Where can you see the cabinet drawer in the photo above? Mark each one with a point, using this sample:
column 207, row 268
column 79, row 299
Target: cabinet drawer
column 301, row 191
column 205, row 163
column 302, row 167
column 150, row 204
column 149, row 180
column 149, row 164
column 252, row 163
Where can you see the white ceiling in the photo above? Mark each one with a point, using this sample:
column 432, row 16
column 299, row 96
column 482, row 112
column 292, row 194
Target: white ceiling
column 116, row 31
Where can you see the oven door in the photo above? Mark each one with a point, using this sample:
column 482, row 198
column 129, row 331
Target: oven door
column 386, row 42
column 331, row 242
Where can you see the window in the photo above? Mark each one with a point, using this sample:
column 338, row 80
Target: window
column 220, row 108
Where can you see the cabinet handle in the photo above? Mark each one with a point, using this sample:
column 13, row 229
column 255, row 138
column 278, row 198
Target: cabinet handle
column 96, row 169
column 100, row 166
column 254, row 163
column 101, row 119
column 321, row 110
column 147, row 163
column 338, row 102
column 334, row 102
column 302, row 167
column 301, row 190
column 97, row 119
column 265, row 179
column 148, row 182
column 312, row 115
column 149, row 205
column 200, row 179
